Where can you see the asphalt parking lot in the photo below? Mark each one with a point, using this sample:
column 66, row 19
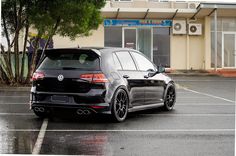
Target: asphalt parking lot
column 202, row 123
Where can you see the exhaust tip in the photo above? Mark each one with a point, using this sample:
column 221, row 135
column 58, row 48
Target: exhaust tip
column 79, row 112
column 39, row 109
column 83, row 112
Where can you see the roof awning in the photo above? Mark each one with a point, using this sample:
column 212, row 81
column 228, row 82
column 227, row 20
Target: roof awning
column 203, row 9
column 146, row 13
column 223, row 9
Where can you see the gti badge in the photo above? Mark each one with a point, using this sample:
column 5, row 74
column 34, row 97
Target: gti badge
column 60, row 77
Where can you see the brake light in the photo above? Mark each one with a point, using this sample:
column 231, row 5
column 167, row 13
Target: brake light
column 94, row 78
column 37, row 76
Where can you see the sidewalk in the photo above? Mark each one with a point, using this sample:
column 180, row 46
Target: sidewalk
column 219, row 72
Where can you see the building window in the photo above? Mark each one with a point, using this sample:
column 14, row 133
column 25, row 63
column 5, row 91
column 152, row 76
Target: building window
column 226, row 32
column 161, row 46
column 113, row 36
column 154, row 42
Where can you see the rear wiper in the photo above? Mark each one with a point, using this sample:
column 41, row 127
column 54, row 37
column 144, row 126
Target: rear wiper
column 69, row 68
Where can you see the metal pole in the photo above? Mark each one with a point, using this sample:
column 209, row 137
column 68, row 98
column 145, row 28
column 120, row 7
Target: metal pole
column 215, row 37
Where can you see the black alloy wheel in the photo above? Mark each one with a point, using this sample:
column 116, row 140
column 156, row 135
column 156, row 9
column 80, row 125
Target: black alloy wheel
column 170, row 98
column 120, row 105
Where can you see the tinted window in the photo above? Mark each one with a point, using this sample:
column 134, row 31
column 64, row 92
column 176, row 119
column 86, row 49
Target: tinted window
column 161, row 46
column 117, row 63
column 143, row 63
column 113, row 36
column 70, row 61
column 126, row 61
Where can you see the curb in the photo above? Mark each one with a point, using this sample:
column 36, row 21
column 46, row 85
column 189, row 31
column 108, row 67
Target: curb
column 193, row 74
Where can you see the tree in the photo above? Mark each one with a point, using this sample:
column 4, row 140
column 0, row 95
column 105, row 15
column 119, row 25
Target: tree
column 68, row 18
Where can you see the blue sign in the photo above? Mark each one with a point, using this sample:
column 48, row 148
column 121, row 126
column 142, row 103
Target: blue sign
column 118, row 22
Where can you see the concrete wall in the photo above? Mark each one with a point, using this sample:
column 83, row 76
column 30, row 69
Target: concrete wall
column 95, row 40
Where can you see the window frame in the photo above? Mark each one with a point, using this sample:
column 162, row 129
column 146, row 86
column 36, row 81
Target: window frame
column 114, row 55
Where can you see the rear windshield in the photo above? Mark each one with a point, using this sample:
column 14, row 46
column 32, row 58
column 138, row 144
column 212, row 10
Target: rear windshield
column 80, row 60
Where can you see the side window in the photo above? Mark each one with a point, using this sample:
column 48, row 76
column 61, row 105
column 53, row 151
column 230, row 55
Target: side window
column 117, row 62
column 126, row 60
column 143, row 63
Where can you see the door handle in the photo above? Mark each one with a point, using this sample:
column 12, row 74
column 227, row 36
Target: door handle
column 126, row 76
column 146, row 76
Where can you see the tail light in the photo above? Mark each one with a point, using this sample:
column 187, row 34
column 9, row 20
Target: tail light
column 94, row 78
column 37, row 76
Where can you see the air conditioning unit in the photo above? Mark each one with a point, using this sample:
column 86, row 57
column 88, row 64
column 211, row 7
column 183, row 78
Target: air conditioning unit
column 179, row 27
column 192, row 5
column 194, row 29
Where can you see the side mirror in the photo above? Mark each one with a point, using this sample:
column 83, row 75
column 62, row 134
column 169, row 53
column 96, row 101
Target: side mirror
column 160, row 69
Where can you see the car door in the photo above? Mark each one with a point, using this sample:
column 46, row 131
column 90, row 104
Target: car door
column 133, row 77
column 154, row 86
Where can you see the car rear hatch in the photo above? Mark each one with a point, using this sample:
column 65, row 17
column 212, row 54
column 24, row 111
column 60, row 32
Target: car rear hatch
column 69, row 71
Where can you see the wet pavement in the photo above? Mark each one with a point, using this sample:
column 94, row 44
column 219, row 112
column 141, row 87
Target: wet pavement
column 202, row 123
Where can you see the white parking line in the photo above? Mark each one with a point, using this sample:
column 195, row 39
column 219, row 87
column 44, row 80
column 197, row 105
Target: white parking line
column 14, row 103
column 213, row 96
column 16, row 114
column 204, row 104
column 191, row 115
column 39, row 141
column 181, row 80
column 193, row 97
column 17, row 96
column 123, row 130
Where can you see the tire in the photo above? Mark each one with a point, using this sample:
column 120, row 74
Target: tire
column 119, row 109
column 170, row 97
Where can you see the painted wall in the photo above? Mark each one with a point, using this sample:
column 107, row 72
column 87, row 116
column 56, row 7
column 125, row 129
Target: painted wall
column 94, row 40
column 188, row 52
column 178, row 51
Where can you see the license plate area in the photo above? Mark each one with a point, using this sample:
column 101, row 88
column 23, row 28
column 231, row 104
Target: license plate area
column 60, row 98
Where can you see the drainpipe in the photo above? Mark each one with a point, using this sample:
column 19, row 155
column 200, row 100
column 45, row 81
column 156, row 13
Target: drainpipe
column 215, row 37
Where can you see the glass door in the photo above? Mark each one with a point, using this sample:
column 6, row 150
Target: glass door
column 229, row 50
column 129, row 38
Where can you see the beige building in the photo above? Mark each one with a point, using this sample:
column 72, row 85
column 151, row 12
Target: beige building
column 178, row 35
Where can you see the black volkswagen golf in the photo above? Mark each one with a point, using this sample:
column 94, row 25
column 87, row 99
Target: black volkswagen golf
column 99, row 80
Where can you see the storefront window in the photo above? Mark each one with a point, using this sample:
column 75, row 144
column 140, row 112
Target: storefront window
column 219, row 50
column 130, row 38
column 161, row 46
column 154, row 42
column 226, row 28
column 144, row 41
column 113, row 36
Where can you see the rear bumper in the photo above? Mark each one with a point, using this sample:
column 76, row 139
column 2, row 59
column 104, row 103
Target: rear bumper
column 101, row 107
column 95, row 104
